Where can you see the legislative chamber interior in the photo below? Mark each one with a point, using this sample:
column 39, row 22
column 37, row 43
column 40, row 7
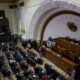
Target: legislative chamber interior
column 39, row 40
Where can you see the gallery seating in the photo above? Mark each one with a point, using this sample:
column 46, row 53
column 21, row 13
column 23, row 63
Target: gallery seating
column 4, row 67
column 24, row 65
column 20, row 60
column 65, row 54
column 49, row 69
column 68, row 48
column 68, row 45
column 60, row 61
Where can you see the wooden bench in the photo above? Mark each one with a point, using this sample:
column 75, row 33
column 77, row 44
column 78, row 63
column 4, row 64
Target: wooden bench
column 64, row 63
column 68, row 45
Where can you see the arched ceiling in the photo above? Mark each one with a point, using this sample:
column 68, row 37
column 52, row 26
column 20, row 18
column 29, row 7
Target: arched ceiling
column 8, row 1
column 37, row 23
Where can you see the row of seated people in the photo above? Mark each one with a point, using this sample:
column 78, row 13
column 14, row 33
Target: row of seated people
column 4, row 67
column 29, row 43
column 19, row 61
column 51, row 44
column 67, row 54
column 7, row 38
column 33, row 44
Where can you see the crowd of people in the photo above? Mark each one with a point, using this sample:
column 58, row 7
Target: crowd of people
column 16, row 61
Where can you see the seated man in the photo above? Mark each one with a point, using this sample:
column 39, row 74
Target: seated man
column 29, row 45
column 49, row 69
column 17, row 56
column 5, row 71
column 38, row 71
column 14, row 66
column 20, row 76
column 41, row 51
column 50, row 43
column 23, row 65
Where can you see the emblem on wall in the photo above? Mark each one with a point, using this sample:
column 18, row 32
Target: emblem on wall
column 72, row 26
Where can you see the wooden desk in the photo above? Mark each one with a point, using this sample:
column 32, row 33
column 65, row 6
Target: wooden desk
column 67, row 53
column 65, row 64
column 68, row 45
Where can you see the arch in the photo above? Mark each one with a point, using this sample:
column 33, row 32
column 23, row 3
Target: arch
column 53, row 16
column 48, row 10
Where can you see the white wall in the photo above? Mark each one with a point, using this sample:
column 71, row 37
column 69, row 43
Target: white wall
column 27, row 13
column 57, row 27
